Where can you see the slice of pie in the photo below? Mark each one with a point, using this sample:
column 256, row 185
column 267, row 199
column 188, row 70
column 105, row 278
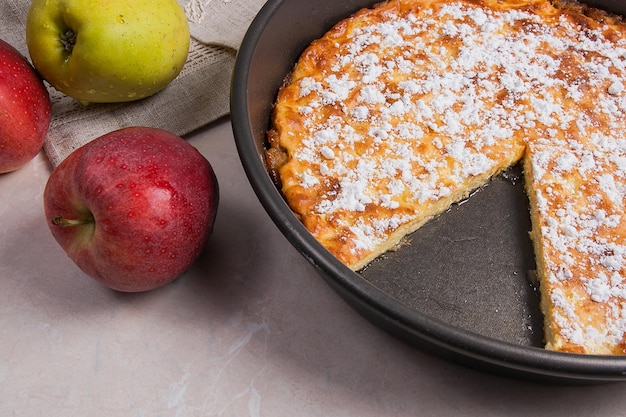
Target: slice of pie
column 405, row 108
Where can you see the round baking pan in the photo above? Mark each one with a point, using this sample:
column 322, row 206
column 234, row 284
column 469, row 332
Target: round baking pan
column 464, row 288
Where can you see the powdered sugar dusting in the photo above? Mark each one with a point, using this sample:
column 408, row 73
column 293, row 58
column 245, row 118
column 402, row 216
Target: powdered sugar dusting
column 413, row 107
column 584, row 227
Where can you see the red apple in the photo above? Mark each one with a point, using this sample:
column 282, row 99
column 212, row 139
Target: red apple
column 133, row 208
column 24, row 110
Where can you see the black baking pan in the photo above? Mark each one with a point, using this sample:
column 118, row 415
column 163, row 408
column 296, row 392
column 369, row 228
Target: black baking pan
column 464, row 288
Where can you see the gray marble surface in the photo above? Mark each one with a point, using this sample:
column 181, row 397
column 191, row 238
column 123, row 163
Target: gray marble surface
column 250, row 330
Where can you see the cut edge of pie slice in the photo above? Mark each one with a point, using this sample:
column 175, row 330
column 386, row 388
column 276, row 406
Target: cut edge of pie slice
column 578, row 234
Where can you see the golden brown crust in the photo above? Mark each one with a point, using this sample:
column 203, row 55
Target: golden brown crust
column 405, row 108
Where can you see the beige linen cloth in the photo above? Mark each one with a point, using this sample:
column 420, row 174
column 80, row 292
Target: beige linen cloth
column 198, row 96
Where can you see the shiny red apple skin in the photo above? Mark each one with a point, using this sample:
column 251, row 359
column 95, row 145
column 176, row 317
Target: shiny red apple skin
column 133, row 208
column 24, row 110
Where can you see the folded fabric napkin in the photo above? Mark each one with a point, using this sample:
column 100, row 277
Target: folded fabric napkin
column 198, row 96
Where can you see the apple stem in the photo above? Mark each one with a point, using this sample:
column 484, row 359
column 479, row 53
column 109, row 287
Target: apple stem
column 68, row 39
column 63, row 222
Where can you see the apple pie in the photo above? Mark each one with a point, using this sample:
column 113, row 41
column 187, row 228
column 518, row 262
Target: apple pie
column 404, row 108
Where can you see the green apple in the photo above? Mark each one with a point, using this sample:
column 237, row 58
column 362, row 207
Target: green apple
column 107, row 51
